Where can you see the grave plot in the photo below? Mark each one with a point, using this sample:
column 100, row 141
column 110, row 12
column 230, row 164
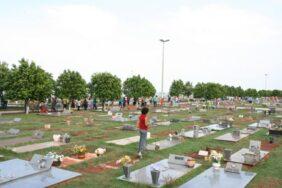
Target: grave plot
column 126, row 141
column 67, row 161
column 217, row 127
column 38, row 146
column 9, row 133
column 16, row 141
column 163, row 144
column 236, row 135
column 9, row 121
column 161, row 172
column 56, row 114
column 248, row 156
column 197, row 132
column 220, row 179
column 35, row 173
column 191, row 119
column 127, row 127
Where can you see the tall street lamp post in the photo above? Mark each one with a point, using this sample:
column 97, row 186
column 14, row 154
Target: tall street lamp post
column 162, row 89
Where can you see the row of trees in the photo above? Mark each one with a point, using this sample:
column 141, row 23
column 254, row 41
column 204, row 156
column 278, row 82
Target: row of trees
column 27, row 82
column 30, row 82
column 215, row 90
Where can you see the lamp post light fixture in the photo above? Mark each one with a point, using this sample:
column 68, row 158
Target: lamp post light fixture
column 162, row 87
column 265, row 84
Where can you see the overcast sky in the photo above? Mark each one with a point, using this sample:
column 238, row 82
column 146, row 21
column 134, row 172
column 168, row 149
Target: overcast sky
column 233, row 42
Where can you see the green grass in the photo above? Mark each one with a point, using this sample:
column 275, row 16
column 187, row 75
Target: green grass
column 103, row 130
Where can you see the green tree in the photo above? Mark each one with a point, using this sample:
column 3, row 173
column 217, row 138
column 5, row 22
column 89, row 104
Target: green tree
column 70, row 85
column 136, row 87
column 276, row 93
column 208, row 91
column 29, row 82
column 188, row 89
column 251, row 93
column 177, row 88
column 4, row 77
column 105, row 86
column 239, row 92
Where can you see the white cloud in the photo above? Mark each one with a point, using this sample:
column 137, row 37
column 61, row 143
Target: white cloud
column 210, row 43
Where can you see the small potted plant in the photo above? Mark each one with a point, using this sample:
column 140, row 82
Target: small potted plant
column 126, row 165
column 271, row 139
column 79, row 151
column 57, row 159
column 215, row 157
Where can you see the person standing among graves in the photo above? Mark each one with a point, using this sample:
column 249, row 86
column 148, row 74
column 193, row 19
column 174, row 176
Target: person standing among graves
column 94, row 103
column 78, row 103
column 143, row 125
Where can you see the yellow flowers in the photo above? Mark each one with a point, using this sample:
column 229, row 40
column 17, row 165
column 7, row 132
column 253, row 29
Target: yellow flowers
column 124, row 160
column 79, row 149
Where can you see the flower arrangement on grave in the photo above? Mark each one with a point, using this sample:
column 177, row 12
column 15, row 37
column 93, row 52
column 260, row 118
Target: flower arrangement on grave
column 100, row 151
column 57, row 137
column 125, row 160
column 66, row 138
column 79, row 151
column 57, row 159
column 215, row 157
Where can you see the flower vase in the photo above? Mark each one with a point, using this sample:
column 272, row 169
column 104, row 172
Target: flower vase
column 56, row 163
column 216, row 166
column 155, row 174
column 126, row 171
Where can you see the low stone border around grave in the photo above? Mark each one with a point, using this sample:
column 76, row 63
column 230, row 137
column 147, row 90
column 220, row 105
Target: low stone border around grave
column 220, row 179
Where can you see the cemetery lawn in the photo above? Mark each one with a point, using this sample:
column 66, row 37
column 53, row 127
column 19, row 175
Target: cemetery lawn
column 269, row 171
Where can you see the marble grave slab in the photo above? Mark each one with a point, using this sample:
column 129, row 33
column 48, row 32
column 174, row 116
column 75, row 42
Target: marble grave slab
column 14, row 141
column 21, row 174
column 238, row 157
column 126, row 141
column 163, row 144
column 169, row 172
column 220, row 179
column 38, row 146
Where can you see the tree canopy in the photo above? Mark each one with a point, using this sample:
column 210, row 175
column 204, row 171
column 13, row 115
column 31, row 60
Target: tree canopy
column 105, row 86
column 29, row 82
column 4, row 77
column 138, row 87
column 70, row 85
column 188, row 89
column 177, row 88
